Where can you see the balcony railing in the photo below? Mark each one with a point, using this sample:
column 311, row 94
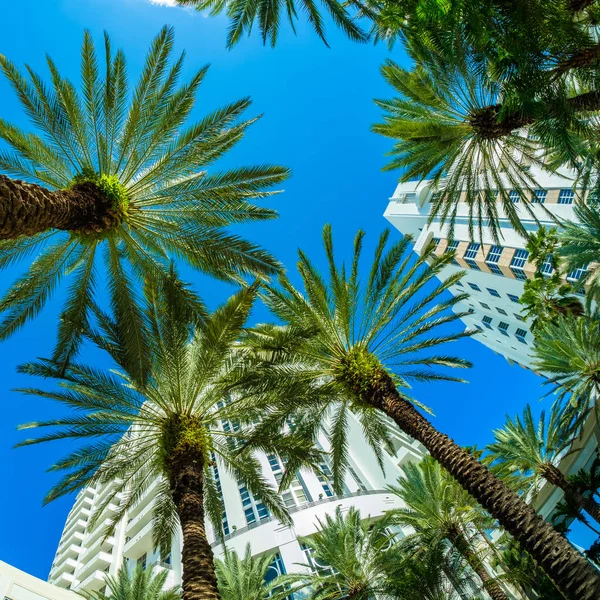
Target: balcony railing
column 295, row 509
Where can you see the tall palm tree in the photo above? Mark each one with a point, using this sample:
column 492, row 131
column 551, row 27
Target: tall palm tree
column 439, row 510
column 116, row 183
column 347, row 558
column 354, row 342
column 243, row 15
column 143, row 584
column 534, row 450
column 168, row 427
column 245, row 578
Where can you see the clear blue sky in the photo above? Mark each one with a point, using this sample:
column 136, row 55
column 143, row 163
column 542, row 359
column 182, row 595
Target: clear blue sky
column 318, row 106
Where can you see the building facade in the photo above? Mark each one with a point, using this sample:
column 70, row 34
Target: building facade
column 84, row 555
column 495, row 273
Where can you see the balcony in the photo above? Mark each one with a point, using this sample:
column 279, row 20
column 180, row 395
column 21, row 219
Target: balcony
column 78, row 525
column 97, row 562
column 101, row 544
column 137, row 523
column 92, row 583
column 64, row 580
column 99, row 531
column 142, row 502
column 137, row 545
column 70, row 551
column 66, row 566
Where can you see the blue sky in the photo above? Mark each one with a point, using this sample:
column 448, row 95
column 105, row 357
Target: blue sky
column 318, row 107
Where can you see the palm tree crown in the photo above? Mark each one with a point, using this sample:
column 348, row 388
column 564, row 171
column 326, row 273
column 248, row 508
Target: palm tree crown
column 246, row 578
column 132, row 150
column 141, row 585
column 396, row 315
column 243, row 15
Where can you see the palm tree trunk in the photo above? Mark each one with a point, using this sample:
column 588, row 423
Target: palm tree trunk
column 572, row 573
column 199, row 581
column 28, row 209
column 554, row 476
column 466, row 551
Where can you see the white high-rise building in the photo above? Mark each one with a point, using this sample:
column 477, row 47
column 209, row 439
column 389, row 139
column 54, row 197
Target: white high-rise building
column 495, row 273
column 84, row 556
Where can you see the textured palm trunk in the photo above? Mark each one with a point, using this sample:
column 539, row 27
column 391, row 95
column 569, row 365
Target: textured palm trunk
column 574, row 576
column 553, row 475
column 466, row 551
column 28, row 209
column 199, row 581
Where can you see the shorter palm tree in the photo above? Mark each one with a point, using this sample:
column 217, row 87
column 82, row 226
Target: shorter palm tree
column 441, row 512
column 567, row 351
column 347, row 558
column 168, row 427
column 580, row 245
column 246, row 578
column 535, row 449
column 142, row 584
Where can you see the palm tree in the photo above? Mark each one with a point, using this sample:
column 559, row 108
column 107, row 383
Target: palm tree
column 580, row 245
column 535, row 449
column 567, row 351
column 143, row 584
column 245, row 578
column 347, row 556
column 117, row 181
column 267, row 16
column 168, row 427
column 439, row 510
column 354, row 342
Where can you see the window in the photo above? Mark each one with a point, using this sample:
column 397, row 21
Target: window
column 459, row 284
column 519, row 317
column 539, row 196
column 492, row 259
column 470, row 255
column 276, row 568
column 503, row 327
column 141, row 561
column 547, row 267
column 486, row 306
column 296, row 494
column 521, row 334
column 493, row 292
column 514, row 196
column 487, row 321
column 474, row 286
column 452, row 246
column 513, row 298
column 359, row 482
column 217, row 480
column 501, row 310
column 436, row 243
column 253, row 510
column 577, row 274
column 315, row 566
column 517, row 263
column 566, row 197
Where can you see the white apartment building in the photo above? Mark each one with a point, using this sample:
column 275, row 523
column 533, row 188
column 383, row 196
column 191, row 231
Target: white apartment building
column 495, row 273
column 85, row 556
